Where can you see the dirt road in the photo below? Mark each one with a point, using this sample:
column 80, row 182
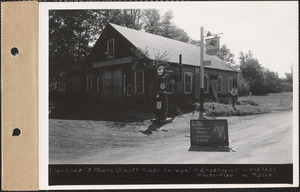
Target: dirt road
column 257, row 139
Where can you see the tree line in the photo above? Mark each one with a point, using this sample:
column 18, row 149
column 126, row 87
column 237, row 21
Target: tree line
column 72, row 34
column 254, row 77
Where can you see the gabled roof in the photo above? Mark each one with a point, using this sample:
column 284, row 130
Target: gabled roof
column 156, row 44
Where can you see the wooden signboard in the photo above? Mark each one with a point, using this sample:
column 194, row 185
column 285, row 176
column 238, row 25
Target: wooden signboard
column 209, row 133
column 213, row 45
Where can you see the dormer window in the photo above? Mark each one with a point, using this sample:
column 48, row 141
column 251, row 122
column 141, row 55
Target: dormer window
column 110, row 48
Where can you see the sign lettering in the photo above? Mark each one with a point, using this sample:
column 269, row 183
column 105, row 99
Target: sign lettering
column 209, row 133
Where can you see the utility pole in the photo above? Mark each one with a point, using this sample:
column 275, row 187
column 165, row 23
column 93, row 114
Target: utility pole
column 201, row 110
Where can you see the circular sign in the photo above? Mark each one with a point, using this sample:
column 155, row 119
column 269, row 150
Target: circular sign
column 162, row 85
column 160, row 70
column 234, row 91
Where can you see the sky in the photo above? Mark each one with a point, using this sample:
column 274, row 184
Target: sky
column 268, row 29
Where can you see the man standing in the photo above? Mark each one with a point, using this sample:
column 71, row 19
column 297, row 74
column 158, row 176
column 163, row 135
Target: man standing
column 234, row 93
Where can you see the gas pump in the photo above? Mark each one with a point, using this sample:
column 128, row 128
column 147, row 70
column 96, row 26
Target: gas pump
column 161, row 97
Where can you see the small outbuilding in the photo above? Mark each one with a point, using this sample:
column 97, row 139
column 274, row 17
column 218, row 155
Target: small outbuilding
column 121, row 68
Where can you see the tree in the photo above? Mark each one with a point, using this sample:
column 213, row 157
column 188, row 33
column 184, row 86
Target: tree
column 72, row 34
column 163, row 26
column 170, row 30
column 131, row 18
column 151, row 21
column 226, row 55
column 69, row 37
column 289, row 76
column 287, row 82
column 166, row 24
column 179, row 34
column 194, row 42
column 243, row 86
column 252, row 71
column 272, row 81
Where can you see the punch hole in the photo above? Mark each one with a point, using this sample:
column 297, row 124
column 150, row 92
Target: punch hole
column 16, row 132
column 15, row 51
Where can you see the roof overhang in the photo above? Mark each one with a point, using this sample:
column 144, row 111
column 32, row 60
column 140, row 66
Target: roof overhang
column 113, row 62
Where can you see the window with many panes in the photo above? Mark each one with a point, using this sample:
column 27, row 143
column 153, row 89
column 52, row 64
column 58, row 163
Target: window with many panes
column 206, row 83
column 230, row 84
column 188, row 82
column 139, row 82
column 110, row 48
column 219, row 84
column 170, row 88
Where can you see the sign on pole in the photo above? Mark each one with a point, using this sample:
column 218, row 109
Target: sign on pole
column 207, row 62
column 234, row 91
column 212, row 46
column 160, row 70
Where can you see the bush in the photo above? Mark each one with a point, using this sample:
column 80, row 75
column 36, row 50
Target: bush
column 287, row 87
column 247, row 102
column 225, row 100
column 218, row 109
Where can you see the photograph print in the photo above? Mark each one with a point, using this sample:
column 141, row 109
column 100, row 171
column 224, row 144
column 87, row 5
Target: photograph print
column 194, row 90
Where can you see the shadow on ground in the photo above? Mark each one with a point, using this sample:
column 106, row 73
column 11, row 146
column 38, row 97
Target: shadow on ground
column 86, row 110
column 82, row 109
column 153, row 127
column 210, row 149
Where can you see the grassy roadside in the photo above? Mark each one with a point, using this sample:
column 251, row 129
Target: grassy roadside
column 252, row 105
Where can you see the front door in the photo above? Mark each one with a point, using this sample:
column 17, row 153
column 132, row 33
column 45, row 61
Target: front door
column 112, row 84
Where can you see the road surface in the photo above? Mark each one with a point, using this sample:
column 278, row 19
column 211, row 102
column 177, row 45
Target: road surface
column 258, row 139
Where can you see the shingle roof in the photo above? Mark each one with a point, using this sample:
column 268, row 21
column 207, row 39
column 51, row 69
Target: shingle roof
column 156, row 44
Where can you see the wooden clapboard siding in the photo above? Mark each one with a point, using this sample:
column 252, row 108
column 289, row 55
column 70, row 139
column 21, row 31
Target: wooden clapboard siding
column 112, row 84
column 112, row 71
column 225, row 75
column 122, row 47
column 212, row 82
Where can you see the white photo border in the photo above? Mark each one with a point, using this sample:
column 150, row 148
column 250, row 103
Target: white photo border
column 44, row 8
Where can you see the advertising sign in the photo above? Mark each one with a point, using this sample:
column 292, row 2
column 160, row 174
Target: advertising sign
column 209, row 133
column 234, row 91
column 212, row 46
column 160, row 70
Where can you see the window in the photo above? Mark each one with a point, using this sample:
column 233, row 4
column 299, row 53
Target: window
column 129, row 90
column 88, row 83
column 219, row 84
column 230, row 84
column 206, row 83
column 188, row 82
column 139, row 82
column 170, row 88
column 110, row 48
